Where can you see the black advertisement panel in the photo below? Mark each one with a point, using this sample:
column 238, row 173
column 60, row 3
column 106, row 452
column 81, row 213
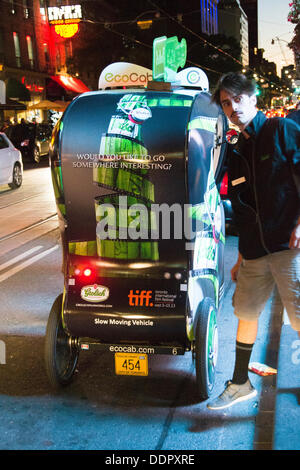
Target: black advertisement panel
column 124, row 182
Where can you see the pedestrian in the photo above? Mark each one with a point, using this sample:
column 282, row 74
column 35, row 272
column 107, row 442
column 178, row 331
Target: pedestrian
column 6, row 125
column 295, row 114
column 264, row 188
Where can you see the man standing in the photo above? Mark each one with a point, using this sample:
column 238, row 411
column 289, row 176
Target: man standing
column 295, row 115
column 264, row 188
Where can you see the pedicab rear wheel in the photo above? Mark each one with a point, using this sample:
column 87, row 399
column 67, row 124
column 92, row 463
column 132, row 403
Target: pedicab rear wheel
column 206, row 347
column 61, row 350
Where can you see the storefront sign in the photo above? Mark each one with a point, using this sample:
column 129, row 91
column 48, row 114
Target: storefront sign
column 32, row 86
column 64, row 13
column 66, row 30
column 65, row 19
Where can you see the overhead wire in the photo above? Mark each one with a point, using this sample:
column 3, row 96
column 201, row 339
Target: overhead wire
column 194, row 33
column 106, row 23
column 151, row 47
column 207, row 42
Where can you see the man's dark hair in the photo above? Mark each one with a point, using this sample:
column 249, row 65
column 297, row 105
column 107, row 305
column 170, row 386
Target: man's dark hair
column 234, row 83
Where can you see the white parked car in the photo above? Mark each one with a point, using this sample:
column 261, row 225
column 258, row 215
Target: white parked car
column 11, row 165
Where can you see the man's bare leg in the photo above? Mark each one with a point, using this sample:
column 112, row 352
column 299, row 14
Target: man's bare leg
column 247, row 331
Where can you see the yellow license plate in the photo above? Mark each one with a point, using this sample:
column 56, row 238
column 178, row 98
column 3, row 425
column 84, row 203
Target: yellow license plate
column 131, row 364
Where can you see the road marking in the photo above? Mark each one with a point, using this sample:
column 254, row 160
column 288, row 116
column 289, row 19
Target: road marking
column 27, row 263
column 19, row 257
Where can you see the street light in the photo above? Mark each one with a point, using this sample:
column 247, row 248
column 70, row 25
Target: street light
column 280, row 40
column 146, row 24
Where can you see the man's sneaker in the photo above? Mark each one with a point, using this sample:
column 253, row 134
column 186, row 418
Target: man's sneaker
column 232, row 394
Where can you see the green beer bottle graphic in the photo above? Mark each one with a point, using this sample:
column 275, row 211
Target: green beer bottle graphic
column 123, row 146
column 123, row 143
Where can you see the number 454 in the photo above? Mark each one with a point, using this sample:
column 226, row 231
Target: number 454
column 131, row 364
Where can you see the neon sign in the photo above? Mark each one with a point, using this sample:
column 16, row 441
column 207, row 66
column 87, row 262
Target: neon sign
column 64, row 13
column 34, row 87
column 66, row 30
column 65, row 19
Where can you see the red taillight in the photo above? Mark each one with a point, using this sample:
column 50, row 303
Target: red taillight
column 224, row 186
column 86, row 272
column 25, row 143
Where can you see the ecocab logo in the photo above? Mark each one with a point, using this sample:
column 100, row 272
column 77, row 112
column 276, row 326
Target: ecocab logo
column 94, row 293
column 193, row 77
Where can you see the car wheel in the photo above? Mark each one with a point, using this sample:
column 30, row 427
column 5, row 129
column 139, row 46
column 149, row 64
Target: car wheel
column 36, row 154
column 17, row 177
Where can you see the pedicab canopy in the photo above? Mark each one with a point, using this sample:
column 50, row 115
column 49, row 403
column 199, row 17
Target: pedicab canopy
column 133, row 171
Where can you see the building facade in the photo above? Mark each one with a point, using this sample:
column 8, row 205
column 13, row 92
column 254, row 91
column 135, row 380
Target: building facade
column 55, row 49
column 250, row 8
column 35, row 43
column 19, row 61
column 233, row 22
column 209, row 16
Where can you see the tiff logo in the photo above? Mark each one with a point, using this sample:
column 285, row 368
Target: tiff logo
column 140, row 298
column 2, row 352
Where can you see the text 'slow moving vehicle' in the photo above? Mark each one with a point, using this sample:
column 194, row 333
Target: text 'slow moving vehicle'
column 135, row 174
column 11, row 165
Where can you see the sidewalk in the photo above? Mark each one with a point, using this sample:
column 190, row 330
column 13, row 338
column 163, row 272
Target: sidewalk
column 276, row 423
column 278, row 420
column 287, row 408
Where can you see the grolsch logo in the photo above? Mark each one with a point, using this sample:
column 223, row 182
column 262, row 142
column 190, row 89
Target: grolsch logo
column 94, row 293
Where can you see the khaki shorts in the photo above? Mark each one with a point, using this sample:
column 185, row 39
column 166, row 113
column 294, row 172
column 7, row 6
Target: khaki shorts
column 257, row 278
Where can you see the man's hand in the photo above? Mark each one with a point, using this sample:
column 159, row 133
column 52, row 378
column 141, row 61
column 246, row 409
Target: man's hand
column 235, row 269
column 295, row 237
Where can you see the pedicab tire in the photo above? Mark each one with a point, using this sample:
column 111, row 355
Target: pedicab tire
column 61, row 354
column 206, row 348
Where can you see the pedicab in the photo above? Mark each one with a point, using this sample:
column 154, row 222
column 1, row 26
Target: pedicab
column 135, row 173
